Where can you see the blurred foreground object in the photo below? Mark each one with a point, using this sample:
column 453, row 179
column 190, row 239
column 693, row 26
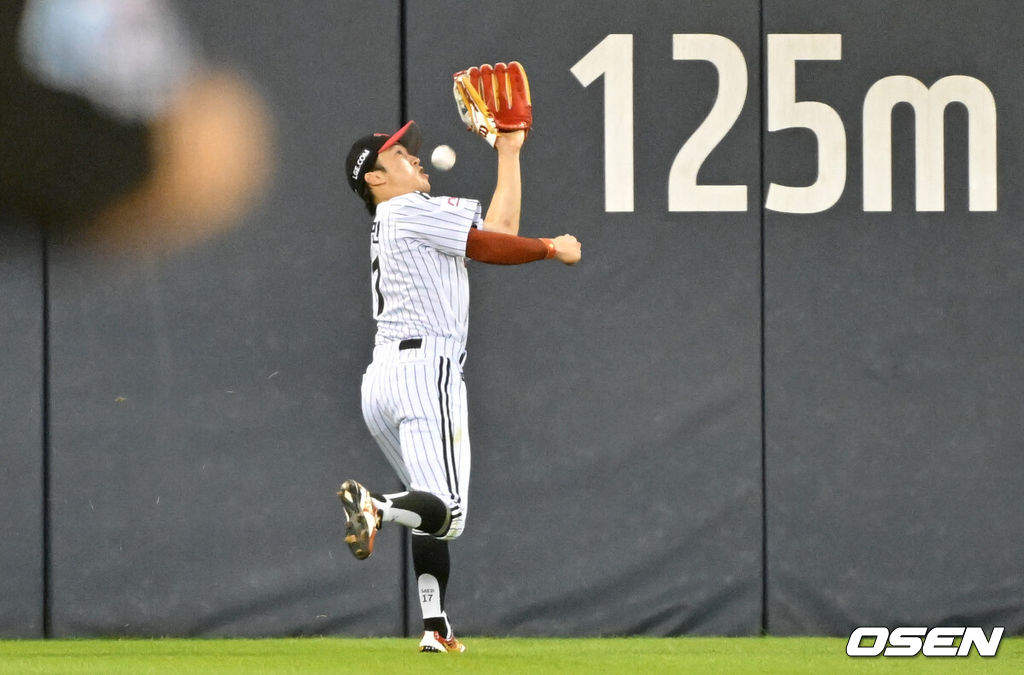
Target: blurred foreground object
column 114, row 132
column 211, row 160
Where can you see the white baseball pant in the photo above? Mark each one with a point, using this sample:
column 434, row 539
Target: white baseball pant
column 414, row 404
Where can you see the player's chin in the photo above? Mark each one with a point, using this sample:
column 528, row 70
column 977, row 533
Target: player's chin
column 425, row 183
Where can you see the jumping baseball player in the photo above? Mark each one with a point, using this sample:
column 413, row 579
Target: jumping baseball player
column 413, row 394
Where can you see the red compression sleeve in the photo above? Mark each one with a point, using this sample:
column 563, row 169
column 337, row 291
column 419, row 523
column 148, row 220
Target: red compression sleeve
column 499, row 248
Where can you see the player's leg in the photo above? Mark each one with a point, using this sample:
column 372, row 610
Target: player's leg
column 366, row 512
column 416, row 411
column 385, row 392
column 362, row 516
column 432, row 564
column 414, row 509
column 434, row 439
column 435, row 443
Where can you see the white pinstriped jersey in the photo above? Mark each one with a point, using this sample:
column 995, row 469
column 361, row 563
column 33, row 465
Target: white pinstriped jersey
column 418, row 262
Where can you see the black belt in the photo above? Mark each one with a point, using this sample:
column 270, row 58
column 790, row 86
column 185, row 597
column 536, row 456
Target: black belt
column 416, row 343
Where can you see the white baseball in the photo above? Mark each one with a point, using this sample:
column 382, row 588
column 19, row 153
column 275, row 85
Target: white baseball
column 443, row 157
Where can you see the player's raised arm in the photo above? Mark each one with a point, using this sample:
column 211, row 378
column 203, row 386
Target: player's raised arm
column 506, row 203
column 494, row 102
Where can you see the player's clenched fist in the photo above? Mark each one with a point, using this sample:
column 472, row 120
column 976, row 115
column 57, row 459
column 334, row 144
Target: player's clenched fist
column 567, row 249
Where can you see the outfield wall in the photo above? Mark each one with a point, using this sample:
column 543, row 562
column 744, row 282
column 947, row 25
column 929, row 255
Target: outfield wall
column 776, row 396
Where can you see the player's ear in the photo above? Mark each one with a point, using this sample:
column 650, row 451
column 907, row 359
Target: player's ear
column 375, row 178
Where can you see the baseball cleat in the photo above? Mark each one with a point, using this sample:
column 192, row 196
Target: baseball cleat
column 362, row 519
column 433, row 642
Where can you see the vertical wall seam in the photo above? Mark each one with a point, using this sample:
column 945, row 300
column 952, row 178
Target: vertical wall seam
column 762, row 38
column 47, row 606
column 403, row 112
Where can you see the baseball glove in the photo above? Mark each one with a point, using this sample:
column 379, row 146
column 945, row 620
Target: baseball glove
column 493, row 100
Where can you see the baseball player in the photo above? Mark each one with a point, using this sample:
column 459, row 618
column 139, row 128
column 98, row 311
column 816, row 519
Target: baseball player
column 413, row 394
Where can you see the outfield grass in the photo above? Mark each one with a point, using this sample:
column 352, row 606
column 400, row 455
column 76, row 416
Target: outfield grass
column 508, row 656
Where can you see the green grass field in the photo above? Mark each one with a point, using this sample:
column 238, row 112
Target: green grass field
column 508, row 656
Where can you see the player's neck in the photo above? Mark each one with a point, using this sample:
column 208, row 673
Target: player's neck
column 385, row 194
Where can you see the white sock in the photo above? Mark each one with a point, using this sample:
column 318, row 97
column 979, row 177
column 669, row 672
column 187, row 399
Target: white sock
column 430, row 599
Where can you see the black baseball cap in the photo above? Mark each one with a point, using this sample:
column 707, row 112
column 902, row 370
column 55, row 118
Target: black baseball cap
column 363, row 155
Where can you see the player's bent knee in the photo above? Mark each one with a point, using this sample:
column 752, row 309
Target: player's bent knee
column 455, row 528
column 456, row 509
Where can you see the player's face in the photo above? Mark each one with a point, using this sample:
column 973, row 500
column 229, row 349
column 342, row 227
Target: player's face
column 403, row 170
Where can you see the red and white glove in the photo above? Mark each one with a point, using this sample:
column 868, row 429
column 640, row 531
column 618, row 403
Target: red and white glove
column 493, row 100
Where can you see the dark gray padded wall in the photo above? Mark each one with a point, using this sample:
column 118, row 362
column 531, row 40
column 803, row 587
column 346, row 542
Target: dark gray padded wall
column 615, row 406
column 205, row 405
column 894, row 372
column 21, row 431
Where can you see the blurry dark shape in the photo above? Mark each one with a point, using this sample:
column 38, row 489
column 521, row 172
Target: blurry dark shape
column 114, row 131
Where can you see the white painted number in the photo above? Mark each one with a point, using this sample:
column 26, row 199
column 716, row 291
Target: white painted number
column 612, row 58
column 785, row 112
column 683, row 192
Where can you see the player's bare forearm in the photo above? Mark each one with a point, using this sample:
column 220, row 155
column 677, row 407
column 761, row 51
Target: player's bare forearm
column 506, row 203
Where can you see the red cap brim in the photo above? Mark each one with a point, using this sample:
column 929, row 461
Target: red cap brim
column 409, row 136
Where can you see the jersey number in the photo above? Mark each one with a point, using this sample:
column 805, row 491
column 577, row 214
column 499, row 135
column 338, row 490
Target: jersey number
column 375, row 268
